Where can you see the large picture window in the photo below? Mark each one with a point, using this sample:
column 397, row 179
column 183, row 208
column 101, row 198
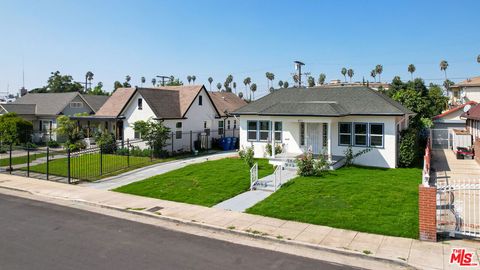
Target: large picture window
column 345, row 134
column 278, row 131
column 264, row 130
column 376, row 135
column 360, row 134
column 252, row 130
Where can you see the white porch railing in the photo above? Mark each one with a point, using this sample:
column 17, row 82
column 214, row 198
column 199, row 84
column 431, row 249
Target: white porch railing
column 253, row 176
column 277, row 174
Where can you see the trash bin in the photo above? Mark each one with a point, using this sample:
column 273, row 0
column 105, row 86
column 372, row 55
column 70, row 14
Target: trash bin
column 234, row 143
column 228, row 143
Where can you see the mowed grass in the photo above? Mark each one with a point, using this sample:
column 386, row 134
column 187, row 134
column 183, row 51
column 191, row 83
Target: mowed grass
column 381, row 201
column 89, row 167
column 20, row 159
column 206, row 183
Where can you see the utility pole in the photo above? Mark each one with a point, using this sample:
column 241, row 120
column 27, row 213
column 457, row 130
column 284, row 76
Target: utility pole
column 299, row 74
column 163, row 79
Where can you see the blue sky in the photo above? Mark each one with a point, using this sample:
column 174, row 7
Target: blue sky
column 242, row 38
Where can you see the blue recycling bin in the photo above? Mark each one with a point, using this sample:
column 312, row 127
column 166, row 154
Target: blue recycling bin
column 223, row 143
column 228, row 143
column 234, row 143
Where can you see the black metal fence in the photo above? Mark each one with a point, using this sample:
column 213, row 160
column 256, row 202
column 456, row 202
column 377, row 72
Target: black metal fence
column 93, row 163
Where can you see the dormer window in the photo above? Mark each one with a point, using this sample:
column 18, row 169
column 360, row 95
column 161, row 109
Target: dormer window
column 200, row 101
column 140, row 103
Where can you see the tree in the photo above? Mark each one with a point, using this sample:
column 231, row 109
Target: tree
column 210, row 80
column 58, row 83
column 189, row 79
column 69, row 129
column 227, row 86
column 280, row 83
column 379, row 70
column 88, row 78
column 154, row 133
column 127, row 81
column 174, row 81
column 235, row 86
column 295, row 78
column 285, row 85
column 344, row 73
column 311, row 81
column 350, row 74
column 321, row 78
column 154, row 81
column 219, row 86
column 194, row 78
column 411, row 69
column 142, row 81
column 117, row 85
column 373, row 74
column 14, row 129
column 443, row 67
column 253, row 88
column 271, row 89
column 247, row 81
column 97, row 90
column 240, row 94
column 478, row 59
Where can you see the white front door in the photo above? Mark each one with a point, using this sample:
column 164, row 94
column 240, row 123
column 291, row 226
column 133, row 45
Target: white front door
column 313, row 138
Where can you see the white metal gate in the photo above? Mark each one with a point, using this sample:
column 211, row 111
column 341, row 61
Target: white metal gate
column 313, row 137
column 458, row 208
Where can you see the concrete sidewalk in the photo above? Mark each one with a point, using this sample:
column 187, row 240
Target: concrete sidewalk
column 156, row 169
column 419, row 254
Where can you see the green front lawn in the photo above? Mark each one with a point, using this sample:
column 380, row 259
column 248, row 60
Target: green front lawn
column 21, row 159
column 381, row 201
column 206, row 183
column 89, row 167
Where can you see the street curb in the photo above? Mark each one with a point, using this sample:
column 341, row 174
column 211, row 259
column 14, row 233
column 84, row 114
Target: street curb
column 226, row 230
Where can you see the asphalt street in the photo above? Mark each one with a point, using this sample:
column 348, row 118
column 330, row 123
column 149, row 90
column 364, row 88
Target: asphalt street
column 36, row 235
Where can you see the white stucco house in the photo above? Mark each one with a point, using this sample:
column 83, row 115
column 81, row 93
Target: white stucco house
column 464, row 91
column 325, row 120
column 190, row 112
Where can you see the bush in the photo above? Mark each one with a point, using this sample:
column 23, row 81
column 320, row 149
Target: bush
column 308, row 166
column 247, row 155
column 80, row 145
column 350, row 156
column 409, row 148
column 53, row 144
column 31, row 145
column 134, row 151
column 106, row 142
column 278, row 149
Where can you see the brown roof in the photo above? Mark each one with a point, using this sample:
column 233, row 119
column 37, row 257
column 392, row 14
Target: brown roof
column 164, row 103
column 227, row 102
column 116, row 102
column 187, row 94
column 454, row 109
column 473, row 113
column 475, row 81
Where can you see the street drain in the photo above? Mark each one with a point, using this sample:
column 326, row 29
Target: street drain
column 154, row 209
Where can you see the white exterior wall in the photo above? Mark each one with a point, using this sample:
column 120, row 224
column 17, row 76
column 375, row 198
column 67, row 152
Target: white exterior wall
column 378, row 157
column 472, row 93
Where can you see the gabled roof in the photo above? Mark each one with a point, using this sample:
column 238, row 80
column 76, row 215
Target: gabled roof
column 114, row 105
column 48, row 103
column 475, row 81
column 227, row 102
column 473, row 113
column 20, row 109
column 324, row 101
column 452, row 110
column 95, row 101
column 187, row 93
column 165, row 104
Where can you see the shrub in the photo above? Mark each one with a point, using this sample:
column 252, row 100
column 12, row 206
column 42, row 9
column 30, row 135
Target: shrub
column 14, row 129
column 350, row 156
column 409, row 148
column 278, row 149
column 247, row 155
column 31, row 145
column 308, row 166
column 53, row 144
column 79, row 145
column 106, row 142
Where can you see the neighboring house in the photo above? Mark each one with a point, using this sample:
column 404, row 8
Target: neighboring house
column 326, row 120
column 444, row 123
column 184, row 109
column 43, row 109
column 468, row 90
column 472, row 117
column 226, row 103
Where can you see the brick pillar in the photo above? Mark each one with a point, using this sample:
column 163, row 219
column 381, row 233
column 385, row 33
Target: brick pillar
column 427, row 213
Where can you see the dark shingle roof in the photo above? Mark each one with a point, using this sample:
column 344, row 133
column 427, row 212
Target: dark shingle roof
column 164, row 103
column 22, row 109
column 48, row 103
column 226, row 102
column 95, row 101
column 325, row 101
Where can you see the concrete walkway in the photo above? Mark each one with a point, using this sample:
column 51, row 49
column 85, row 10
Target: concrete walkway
column 448, row 168
column 425, row 255
column 156, row 169
column 242, row 202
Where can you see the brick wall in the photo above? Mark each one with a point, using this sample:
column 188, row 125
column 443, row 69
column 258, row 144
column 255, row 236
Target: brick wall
column 427, row 213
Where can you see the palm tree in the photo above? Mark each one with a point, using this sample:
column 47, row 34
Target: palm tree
column 280, row 83
column 373, row 74
column 219, row 86
column 344, row 73
column 321, row 78
column 478, row 59
column 240, row 94
column 128, row 78
column 443, row 67
column 350, row 73
column 235, row 87
column 253, row 88
column 267, row 75
column 379, row 70
column 411, row 69
column 295, row 78
column 271, row 89
column 285, row 85
column 154, row 81
column 210, row 80
column 311, row 81
column 247, row 81
column 89, row 78
column 189, row 79
column 272, row 77
column 142, row 80
column 194, row 78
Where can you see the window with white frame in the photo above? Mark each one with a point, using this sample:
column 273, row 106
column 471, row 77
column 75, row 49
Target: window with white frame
column 220, row 127
column 360, row 134
column 76, row 104
column 263, row 130
column 376, row 135
column 228, row 124
column 278, row 131
column 234, row 124
column 178, row 132
column 302, row 134
column 252, row 130
column 345, row 133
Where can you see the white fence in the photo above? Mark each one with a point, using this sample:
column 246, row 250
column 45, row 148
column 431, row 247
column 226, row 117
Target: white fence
column 253, row 176
column 458, row 209
column 277, row 174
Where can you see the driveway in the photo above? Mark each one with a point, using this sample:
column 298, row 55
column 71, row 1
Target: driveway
column 146, row 172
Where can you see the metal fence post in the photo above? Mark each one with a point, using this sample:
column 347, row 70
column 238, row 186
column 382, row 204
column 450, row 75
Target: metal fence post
column 101, row 161
column 10, row 169
column 191, row 141
column 128, row 152
column 68, row 165
column 48, row 154
column 28, row 161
